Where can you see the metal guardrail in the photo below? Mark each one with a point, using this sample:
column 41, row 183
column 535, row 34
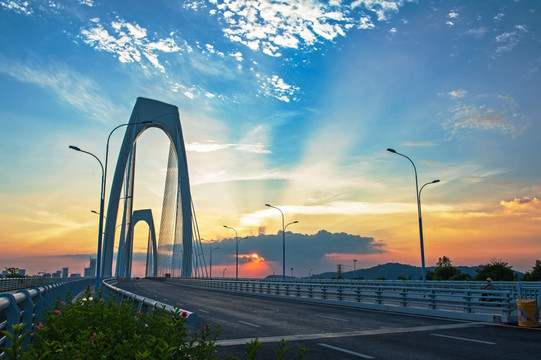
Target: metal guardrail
column 145, row 304
column 459, row 300
column 27, row 306
column 11, row 284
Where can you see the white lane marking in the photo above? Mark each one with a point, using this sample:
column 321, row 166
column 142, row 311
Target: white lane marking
column 247, row 323
column 203, row 311
column 269, row 308
column 346, row 351
column 465, row 339
column 275, row 339
column 166, row 300
column 333, row 318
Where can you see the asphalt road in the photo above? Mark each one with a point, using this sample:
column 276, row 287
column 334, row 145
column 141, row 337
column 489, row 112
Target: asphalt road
column 332, row 332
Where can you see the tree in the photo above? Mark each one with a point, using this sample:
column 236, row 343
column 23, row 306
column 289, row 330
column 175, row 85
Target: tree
column 13, row 272
column 497, row 269
column 446, row 271
column 535, row 274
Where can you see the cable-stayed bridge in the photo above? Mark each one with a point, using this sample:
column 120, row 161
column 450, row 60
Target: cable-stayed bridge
column 176, row 250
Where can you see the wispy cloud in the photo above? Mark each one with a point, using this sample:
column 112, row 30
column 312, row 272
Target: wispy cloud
column 276, row 87
column 486, row 112
column 453, row 14
column 523, row 205
column 459, row 93
column 129, row 42
column 18, row 6
column 348, row 208
column 212, row 146
column 69, row 86
column 508, row 40
column 419, row 143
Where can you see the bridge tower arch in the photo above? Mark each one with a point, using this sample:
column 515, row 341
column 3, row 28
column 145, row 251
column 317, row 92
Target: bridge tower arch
column 174, row 248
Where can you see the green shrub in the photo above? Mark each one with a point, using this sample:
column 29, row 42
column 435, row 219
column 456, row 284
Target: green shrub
column 98, row 328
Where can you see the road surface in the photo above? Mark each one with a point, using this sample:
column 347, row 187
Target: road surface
column 333, row 332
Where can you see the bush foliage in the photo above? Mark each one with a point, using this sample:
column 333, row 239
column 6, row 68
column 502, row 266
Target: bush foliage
column 100, row 328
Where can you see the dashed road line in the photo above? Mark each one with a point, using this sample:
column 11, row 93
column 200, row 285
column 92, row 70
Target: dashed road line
column 346, row 351
column 247, row 323
column 301, row 337
column 333, row 318
column 464, row 339
column 203, row 311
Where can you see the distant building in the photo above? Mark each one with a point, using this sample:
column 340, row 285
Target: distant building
column 91, row 269
column 75, row 275
column 57, row 274
column 22, row 272
column 65, row 271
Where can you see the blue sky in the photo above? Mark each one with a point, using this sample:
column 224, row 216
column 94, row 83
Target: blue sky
column 291, row 103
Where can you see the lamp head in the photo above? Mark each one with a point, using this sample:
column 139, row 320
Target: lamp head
column 295, row 222
column 267, row 204
column 391, row 150
column 435, row 181
column 74, row 148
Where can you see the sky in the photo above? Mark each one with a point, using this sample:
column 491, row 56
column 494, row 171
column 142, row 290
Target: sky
column 290, row 103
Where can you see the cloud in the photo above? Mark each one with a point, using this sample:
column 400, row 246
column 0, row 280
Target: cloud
column 69, row 86
column 457, row 93
column 129, row 42
column 508, row 40
column 419, row 143
column 18, row 6
column 347, row 208
column 521, row 205
column 303, row 251
column 276, row 87
column 497, row 112
column 212, row 146
column 477, row 32
column 272, row 26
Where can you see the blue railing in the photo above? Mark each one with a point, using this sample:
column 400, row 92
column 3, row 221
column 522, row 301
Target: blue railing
column 27, row 306
column 11, row 284
column 144, row 304
column 458, row 300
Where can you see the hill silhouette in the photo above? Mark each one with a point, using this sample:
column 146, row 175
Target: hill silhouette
column 392, row 271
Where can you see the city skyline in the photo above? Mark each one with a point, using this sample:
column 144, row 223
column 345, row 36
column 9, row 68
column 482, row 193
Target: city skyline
column 290, row 103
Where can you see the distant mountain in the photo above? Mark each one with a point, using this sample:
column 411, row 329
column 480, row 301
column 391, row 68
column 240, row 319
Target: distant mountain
column 392, row 271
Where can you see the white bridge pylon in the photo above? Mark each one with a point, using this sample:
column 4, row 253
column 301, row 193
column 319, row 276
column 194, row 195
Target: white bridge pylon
column 174, row 248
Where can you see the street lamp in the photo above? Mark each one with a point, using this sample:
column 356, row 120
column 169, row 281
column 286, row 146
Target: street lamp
column 100, row 223
column 237, row 256
column 418, row 193
column 283, row 240
column 102, row 195
column 211, row 257
column 293, row 222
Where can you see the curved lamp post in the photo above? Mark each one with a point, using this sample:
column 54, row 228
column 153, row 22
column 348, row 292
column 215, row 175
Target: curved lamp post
column 418, row 193
column 237, row 252
column 100, row 223
column 283, row 240
column 211, row 250
column 102, row 195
